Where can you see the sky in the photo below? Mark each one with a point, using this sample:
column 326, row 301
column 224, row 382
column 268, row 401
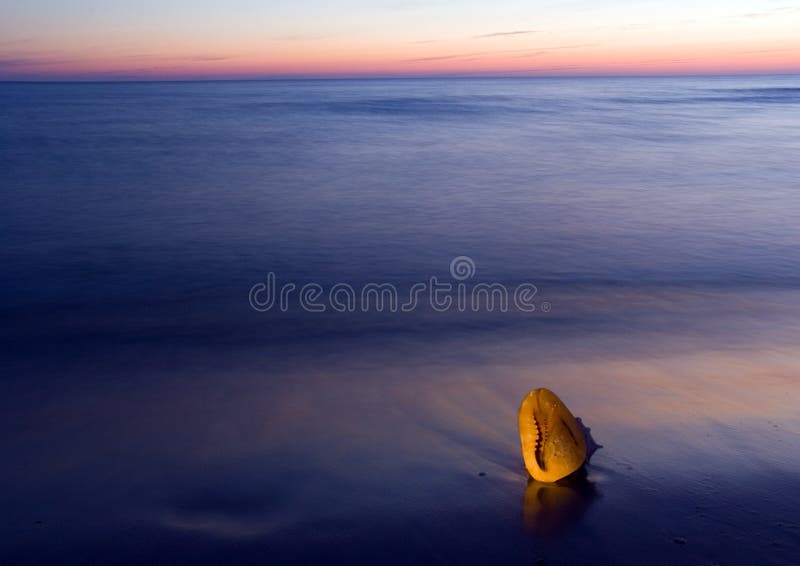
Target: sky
column 183, row 39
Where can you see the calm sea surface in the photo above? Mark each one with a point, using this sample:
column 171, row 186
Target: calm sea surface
column 148, row 414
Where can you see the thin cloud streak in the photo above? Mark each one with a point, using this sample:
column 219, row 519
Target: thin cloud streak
column 208, row 57
column 14, row 62
column 547, row 50
column 777, row 50
column 443, row 57
column 506, row 33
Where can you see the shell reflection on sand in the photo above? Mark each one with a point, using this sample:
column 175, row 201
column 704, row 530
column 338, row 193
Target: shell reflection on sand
column 550, row 509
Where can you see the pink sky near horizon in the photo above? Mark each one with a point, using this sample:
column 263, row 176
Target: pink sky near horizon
column 448, row 38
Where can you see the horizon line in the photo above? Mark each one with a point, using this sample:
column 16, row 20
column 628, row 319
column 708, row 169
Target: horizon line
column 391, row 77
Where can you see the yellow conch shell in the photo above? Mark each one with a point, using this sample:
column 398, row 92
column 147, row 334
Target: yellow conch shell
column 553, row 445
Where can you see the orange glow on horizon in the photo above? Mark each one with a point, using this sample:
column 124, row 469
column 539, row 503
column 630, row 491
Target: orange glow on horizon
column 566, row 62
column 605, row 38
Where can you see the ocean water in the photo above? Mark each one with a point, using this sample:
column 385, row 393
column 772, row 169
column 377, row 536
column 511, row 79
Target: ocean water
column 150, row 415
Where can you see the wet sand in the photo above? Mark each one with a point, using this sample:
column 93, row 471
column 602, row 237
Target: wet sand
column 375, row 446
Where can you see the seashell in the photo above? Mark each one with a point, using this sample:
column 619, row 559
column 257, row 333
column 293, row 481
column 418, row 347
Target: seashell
column 553, row 445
